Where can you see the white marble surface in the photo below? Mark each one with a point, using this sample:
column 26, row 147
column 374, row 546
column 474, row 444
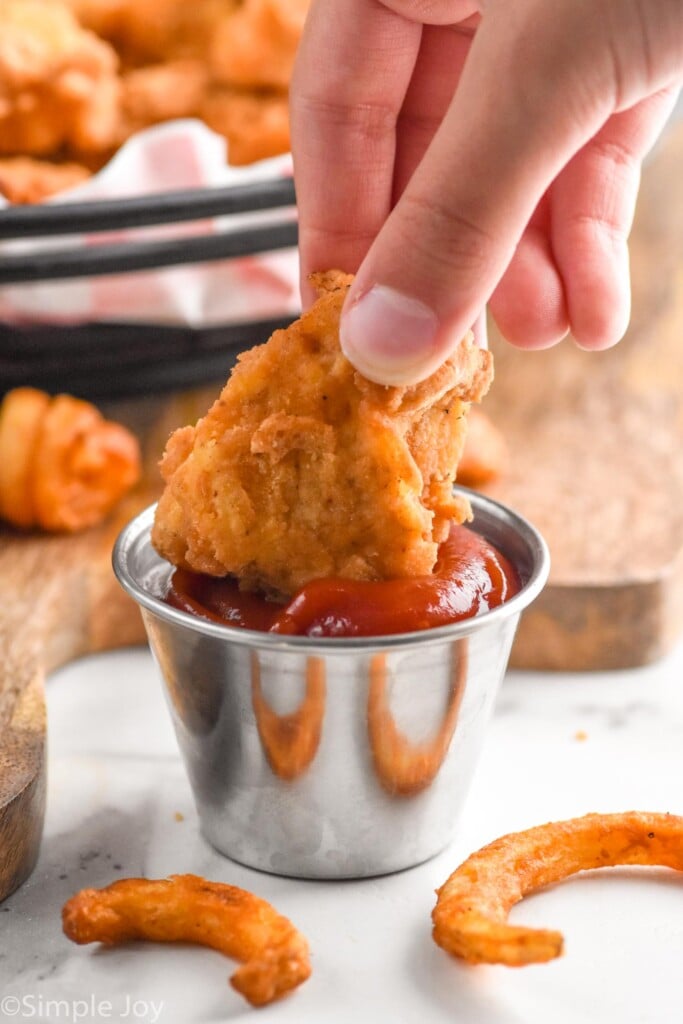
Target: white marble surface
column 116, row 784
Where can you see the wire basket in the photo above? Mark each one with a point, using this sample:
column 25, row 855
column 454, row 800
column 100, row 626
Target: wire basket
column 113, row 359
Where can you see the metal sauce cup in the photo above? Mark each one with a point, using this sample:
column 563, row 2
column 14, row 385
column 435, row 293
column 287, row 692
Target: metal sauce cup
column 331, row 758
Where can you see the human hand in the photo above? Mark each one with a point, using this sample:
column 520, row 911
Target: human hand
column 455, row 153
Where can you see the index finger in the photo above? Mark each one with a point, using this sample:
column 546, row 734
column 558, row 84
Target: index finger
column 354, row 65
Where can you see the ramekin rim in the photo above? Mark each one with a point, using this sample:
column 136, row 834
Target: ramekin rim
column 135, row 529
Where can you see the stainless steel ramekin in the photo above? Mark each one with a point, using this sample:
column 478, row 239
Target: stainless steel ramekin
column 331, row 758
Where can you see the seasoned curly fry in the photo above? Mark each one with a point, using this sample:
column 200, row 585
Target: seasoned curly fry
column 472, row 907
column 62, row 466
column 83, row 466
column 21, row 419
column 291, row 741
column 186, row 908
column 406, row 768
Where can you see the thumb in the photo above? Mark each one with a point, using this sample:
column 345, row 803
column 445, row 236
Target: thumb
column 524, row 105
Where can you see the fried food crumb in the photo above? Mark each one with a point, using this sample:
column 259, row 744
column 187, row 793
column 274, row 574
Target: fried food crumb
column 79, row 77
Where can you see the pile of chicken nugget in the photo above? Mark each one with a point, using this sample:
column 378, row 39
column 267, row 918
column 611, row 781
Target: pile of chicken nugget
column 79, row 77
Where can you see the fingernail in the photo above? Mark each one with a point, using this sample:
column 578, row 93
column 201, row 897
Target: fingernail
column 389, row 337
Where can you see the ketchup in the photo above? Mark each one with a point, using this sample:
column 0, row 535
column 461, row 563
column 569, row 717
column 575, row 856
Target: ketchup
column 470, row 577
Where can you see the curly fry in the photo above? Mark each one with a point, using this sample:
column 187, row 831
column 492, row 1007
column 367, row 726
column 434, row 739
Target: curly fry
column 186, row 908
column 62, row 466
column 21, row 418
column 404, row 768
column 473, row 905
column 291, row 741
column 84, row 465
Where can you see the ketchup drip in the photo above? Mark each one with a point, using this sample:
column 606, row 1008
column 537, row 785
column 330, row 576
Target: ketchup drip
column 469, row 578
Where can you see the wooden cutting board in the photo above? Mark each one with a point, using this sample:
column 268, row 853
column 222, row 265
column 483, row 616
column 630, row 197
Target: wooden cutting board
column 596, row 462
column 596, row 459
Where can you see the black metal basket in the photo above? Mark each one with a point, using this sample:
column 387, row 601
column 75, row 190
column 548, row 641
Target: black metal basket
column 107, row 360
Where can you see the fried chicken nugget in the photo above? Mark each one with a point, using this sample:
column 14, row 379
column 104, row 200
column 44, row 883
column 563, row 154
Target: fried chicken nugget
column 139, row 29
column 186, row 908
column 161, row 92
column 304, row 469
column 256, row 45
column 256, row 125
column 153, row 30
column 25, row 180
column 58, row 82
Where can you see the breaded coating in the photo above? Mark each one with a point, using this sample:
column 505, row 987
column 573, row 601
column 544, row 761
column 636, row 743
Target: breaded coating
column 154, row 30
column 161, row 92
column 58, row 82
column 303, row 469
column 25, row 180
column 256, row 125
column 227, row 62
column 257, row 44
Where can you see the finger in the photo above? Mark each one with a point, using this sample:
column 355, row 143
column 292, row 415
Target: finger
column 435, row 78
column 480, row 331
column 529, row 305
column 343, row 121
column 593, row 203
column 466, row 207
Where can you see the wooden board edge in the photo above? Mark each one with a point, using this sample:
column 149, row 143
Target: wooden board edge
column 21, row 829
column 589, row 628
